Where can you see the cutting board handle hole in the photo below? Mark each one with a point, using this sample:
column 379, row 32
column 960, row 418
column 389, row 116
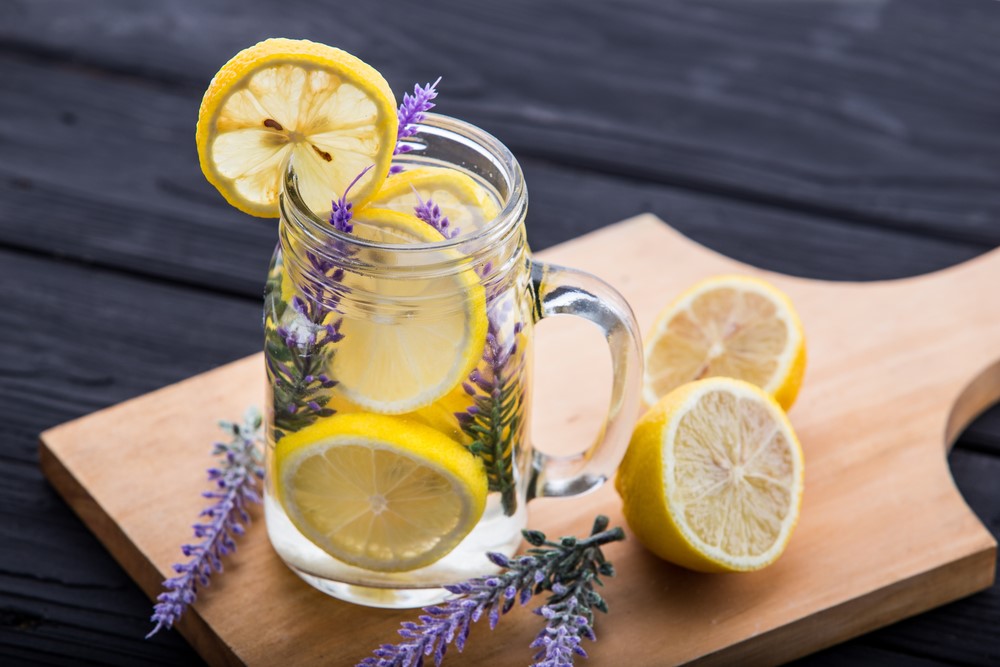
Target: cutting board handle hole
column 978, row 396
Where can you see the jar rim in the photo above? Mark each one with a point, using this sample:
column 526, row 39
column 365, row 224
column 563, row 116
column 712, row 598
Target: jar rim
column 508, row 219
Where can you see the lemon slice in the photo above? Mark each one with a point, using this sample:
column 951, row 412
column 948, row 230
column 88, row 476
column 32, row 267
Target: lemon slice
column 713, row 477
column 409, row 339
column 467, row 204
column 439, row 415
column 377, row 226
column 382, row 493
column 732, row 326
column 283, row 99
column 388, row 227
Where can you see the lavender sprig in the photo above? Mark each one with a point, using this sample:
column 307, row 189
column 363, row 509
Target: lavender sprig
column 342, row 211
column 495, row 420
column 430, row 213
column 569, row 618
column 411, row 112
column 237, row 481
column 297, row 352
column 568, row 568
column 300, row 348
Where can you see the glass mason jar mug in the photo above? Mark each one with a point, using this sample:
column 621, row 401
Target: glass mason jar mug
column 399, row 364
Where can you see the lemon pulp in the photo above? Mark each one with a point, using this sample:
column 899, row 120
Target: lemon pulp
column 713, row 477
column 326, row 111
column 378, row 492
column 732, row 326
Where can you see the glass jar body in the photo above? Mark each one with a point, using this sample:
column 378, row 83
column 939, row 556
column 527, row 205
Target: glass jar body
column 440, row 337
column 386, row 343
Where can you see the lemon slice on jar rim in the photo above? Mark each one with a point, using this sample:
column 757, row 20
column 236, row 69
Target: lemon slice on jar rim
column 326, row 111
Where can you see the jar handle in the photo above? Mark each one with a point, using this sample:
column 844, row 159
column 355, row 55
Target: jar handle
column 564, row 291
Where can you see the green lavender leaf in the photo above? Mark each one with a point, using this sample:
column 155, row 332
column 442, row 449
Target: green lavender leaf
column 494, row 422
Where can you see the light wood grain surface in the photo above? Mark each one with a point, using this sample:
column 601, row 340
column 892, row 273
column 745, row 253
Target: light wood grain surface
column 884, row 534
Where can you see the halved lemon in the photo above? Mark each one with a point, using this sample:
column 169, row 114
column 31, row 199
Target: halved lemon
column 467, row 204
column 377, row 492
column 328, row 112
column 409, row 337
column 733, row 326
column 713, row 477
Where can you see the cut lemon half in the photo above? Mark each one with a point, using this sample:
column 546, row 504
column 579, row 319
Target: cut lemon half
column 467, row 204
column 377, row 492
column 732, row 326
column 713, row 477
column 328, row 112
column 411, row 335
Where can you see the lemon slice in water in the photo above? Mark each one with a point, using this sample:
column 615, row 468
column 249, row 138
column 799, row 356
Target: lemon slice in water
column 378, row 492
column 467, row 204
column 409, row 338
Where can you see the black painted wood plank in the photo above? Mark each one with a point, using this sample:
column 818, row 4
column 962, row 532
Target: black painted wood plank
column 983, row 435
column 104, row 170
column 856, row 116
column 857, row 653
column 76, row 339
column 885, row 113
column 63, row 600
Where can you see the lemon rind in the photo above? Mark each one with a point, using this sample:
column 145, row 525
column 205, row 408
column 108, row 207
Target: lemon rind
column 399, row 436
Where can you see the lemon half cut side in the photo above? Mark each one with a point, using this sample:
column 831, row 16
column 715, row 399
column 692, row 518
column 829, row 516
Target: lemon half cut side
column 713, row 477
column 733, row 326
column 281, row 100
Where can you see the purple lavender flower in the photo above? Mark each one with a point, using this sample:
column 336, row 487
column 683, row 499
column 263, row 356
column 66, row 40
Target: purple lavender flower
column 341, row 211
column 569, row 568
column 568, row 621
column 430, row 213
column 559, row 646
column 299, row 347
column 411, row 112
column 237, row 482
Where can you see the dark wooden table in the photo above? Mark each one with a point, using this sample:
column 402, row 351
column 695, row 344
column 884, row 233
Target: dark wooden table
column 857, row 139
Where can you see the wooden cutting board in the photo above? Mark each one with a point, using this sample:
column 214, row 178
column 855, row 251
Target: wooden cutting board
column 896, row 370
